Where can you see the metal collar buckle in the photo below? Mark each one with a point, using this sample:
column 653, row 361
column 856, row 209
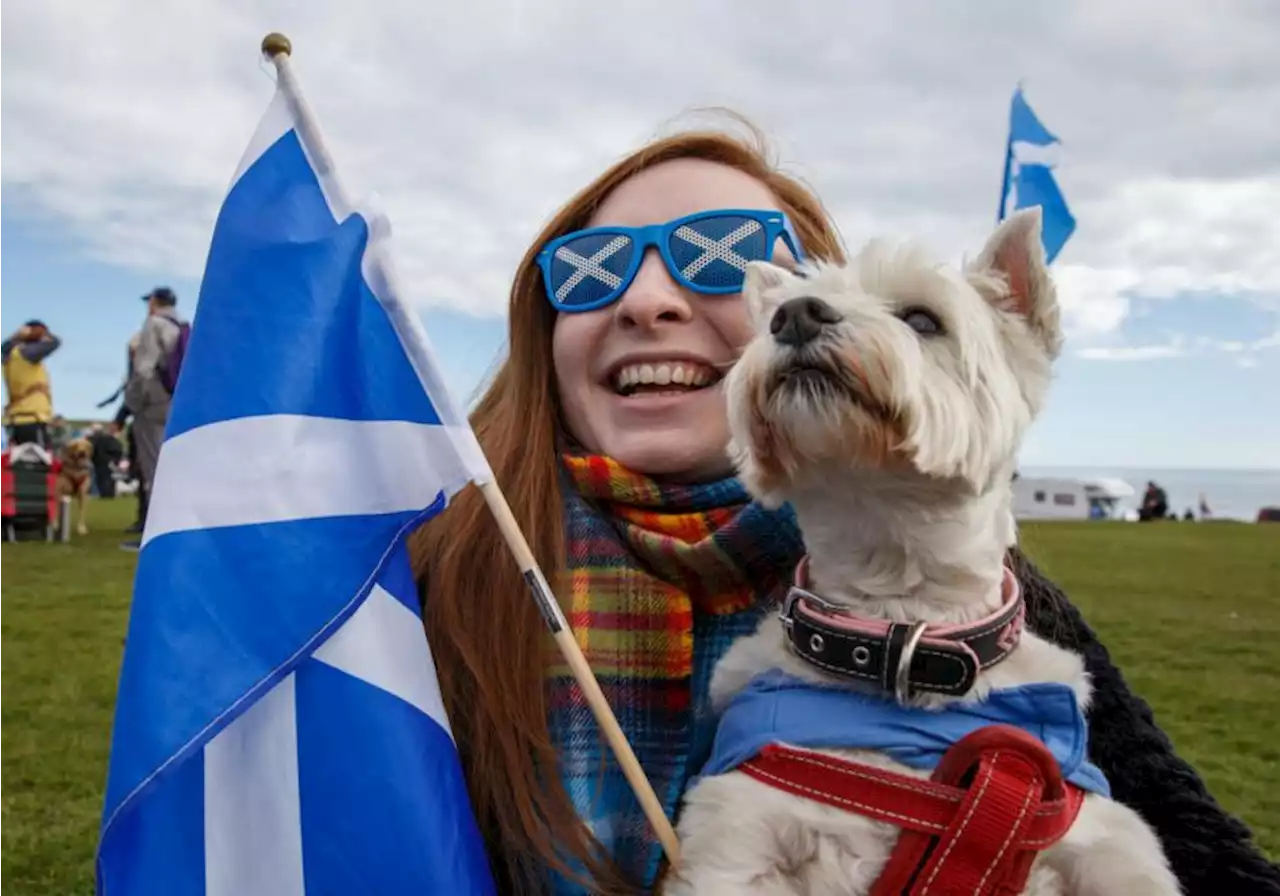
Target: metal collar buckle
column 794, row 594
column 902, row 677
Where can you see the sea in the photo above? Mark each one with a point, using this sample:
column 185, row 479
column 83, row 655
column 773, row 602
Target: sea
column 1230, row 494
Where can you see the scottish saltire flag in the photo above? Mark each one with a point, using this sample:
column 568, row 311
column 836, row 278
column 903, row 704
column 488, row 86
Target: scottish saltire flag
column 1028, row 177
column 279, row 728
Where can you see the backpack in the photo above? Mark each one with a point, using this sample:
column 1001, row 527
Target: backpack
column 171, row 366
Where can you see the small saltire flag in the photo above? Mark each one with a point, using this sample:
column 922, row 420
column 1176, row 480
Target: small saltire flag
column 1028, row 178
column 279, row 728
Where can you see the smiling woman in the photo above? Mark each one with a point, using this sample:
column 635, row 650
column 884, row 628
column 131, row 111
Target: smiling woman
column 606, row 427
column 677, row 314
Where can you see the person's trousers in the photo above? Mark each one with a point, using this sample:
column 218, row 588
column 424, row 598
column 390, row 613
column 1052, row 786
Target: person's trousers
column 136, row 476
column 147, row 434
column 142, row 496
column 23, row 433
column 105, row 482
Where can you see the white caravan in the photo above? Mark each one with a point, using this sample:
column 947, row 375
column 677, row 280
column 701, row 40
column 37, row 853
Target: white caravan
column 1045, row 498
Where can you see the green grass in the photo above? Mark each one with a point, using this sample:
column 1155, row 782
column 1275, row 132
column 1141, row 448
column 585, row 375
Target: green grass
column 1191, row 613
column 65, row 611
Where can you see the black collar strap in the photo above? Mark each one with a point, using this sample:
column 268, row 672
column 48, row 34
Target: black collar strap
column 903, row 659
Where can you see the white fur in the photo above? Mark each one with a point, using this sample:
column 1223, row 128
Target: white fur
column 899, row 475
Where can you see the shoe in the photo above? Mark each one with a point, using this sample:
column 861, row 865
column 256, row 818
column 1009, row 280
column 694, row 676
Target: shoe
column 134, row 546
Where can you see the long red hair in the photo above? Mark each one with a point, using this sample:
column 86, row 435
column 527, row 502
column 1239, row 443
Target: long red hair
column 484, row 629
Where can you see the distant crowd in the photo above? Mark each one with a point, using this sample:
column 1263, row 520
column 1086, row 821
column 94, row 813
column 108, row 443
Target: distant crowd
column 154, row 358
column 1155, row 506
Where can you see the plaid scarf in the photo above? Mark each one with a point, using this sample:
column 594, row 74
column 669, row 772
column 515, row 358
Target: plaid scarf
column 662, row 579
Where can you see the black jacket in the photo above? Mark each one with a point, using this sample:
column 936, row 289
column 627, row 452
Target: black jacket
column 1211, row 852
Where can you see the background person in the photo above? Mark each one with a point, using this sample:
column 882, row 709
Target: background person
column 28, row 408
column 145, row 394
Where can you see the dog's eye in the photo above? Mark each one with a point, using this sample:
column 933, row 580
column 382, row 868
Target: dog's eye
column 923, row 322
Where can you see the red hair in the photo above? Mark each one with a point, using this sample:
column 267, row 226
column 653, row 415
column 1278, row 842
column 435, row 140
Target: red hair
column 481, row 622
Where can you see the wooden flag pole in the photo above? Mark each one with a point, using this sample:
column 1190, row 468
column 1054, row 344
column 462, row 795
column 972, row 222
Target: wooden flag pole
column 586, row 679
column 278, row 48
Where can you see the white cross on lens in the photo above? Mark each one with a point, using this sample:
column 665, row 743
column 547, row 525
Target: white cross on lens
column 713, row 249
column 590, row 267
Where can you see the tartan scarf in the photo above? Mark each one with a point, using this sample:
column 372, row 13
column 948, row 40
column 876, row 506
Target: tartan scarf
column 661, row 579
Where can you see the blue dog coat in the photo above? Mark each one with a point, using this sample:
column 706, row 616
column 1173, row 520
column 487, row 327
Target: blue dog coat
column 780, row 708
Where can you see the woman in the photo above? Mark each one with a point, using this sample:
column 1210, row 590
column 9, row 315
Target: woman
column 607, row 433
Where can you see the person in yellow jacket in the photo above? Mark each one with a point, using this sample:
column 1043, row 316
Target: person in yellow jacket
column 28, row 401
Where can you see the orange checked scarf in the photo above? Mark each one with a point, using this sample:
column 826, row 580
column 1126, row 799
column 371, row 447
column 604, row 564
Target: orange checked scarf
column 661, row 580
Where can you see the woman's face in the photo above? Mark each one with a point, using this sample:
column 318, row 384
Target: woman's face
column 684, row 342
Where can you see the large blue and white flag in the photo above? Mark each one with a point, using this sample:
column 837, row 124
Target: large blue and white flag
column 1028, row 177
column 279, row 728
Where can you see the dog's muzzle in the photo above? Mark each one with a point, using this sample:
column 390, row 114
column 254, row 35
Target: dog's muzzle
column 799, row 321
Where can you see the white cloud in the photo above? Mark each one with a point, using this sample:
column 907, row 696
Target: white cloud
column 125, row 120
column 1093, row 300
column 1179, row 346
column 1272, row 341
column 1173, row 349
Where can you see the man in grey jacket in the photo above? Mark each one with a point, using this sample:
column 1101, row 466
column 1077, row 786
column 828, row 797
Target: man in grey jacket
column 145, row 393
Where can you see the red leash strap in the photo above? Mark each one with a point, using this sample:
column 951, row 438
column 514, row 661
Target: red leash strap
column 996, row 799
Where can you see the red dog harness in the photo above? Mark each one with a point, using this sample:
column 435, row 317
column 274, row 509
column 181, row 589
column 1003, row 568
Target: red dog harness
column 996, row 799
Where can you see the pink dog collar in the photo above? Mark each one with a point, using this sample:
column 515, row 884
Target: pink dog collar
column 901, row 658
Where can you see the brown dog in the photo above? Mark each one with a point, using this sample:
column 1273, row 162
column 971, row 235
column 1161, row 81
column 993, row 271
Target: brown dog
column 74, row 479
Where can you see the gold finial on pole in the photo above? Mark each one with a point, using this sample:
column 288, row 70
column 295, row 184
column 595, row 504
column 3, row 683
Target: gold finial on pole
column 276, row 43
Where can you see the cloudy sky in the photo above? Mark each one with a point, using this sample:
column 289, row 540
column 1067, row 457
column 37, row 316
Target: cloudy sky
column 123, row 122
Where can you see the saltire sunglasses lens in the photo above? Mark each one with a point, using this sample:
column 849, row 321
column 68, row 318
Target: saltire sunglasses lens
column 590, row 269
column 712, row 253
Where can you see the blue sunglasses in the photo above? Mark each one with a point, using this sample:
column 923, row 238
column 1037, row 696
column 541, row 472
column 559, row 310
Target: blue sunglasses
column 707, row 252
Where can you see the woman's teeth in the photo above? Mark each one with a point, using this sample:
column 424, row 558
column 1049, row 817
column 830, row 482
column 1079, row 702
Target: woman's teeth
column 683, row 375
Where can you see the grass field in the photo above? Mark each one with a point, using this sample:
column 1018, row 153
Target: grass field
column 1190, row 612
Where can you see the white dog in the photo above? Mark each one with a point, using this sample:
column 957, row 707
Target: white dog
column 886, row 400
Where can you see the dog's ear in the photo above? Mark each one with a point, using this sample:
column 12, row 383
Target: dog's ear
column 1011, row 273
column 762, row 278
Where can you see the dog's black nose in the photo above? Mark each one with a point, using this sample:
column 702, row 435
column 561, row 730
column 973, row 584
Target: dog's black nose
column 800, row 320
